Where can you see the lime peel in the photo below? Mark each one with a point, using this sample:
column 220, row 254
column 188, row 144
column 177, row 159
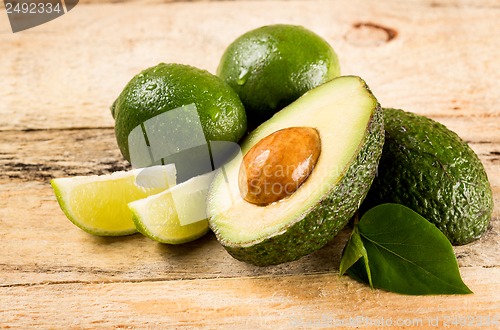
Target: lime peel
column 177, row 215
column 98, row 204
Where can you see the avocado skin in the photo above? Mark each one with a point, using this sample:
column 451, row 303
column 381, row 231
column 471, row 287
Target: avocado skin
column 323, row 221
column 429, row 169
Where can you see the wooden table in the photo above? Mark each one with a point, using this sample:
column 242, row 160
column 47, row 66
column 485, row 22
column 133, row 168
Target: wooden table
column 434, row 57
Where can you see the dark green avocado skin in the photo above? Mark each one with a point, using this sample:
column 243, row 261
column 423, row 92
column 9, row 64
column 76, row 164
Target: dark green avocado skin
column 429, row 169
column 324, row 220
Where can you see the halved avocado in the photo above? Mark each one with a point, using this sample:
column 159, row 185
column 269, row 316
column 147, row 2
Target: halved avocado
column 350, row 124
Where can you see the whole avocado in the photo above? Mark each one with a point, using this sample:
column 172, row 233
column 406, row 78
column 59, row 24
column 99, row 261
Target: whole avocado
column 429, row 169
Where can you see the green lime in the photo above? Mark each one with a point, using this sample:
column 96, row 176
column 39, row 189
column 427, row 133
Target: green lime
column 98, row 204
column 177, row 215
column 272, row 66
column 165, row 87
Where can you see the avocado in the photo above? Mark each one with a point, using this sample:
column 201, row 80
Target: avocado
column 349, row 121
column 429, row 169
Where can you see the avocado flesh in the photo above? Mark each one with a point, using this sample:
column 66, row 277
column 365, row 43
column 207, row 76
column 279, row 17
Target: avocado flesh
column 429, row 169
column 349, row 121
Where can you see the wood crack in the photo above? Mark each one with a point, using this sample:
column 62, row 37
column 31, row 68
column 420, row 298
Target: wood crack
column 186, row 278
column 41, row 155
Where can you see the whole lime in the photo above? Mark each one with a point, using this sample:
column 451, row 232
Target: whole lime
column 166, row 87
column 272, row 66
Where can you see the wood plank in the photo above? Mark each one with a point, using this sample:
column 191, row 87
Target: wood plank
column 41, row 155
column 39, row 245
column 66, row 73
column 297, row 301
column 36, row 227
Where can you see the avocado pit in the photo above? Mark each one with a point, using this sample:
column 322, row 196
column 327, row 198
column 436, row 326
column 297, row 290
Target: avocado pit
column 277, row 165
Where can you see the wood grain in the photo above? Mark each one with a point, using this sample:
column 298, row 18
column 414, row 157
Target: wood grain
column 41, row 155
column 437, row 58
column 440, row 62
column 47, row 262
column 269, row 302
column 39, row 245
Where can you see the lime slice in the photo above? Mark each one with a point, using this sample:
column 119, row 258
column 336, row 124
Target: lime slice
column 98, row 204
column 177, row 215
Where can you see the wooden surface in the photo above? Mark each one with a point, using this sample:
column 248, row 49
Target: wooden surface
column 438, row 58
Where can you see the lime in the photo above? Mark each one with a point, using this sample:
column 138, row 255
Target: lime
column 177, row 215
column 98, row 204
column 166, row 87
column 272, row 66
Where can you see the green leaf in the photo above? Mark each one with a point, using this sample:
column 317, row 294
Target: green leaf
column 407, row 254
column 354, row 251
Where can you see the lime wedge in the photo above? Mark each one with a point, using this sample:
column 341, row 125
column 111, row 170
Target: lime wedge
column 98, row 204
column 177, row 215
